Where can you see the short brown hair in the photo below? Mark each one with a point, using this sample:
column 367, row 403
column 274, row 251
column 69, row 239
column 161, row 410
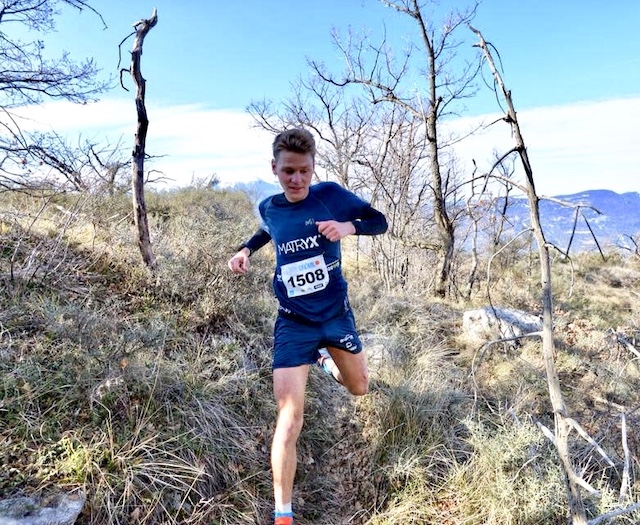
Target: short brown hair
column 297, row 140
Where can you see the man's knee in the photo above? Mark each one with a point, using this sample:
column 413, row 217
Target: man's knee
column 359, row 387
column 289, row 425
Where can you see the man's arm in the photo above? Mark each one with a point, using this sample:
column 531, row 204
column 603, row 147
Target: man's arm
column 371, row 222
column 257, row 241
column 239, row 263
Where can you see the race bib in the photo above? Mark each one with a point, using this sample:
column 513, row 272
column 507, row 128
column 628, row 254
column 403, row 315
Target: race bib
column 305, row 277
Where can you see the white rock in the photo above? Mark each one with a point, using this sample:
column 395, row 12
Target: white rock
column 489, row 324
column 63, row 509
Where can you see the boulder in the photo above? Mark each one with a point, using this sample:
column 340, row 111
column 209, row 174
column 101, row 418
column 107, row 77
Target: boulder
column 51, row 509
column 491, row 324
column 378, row 350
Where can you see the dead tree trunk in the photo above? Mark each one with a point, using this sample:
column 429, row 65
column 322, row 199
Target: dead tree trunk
column 561, row 418
column 139, row 207
column 446, row 229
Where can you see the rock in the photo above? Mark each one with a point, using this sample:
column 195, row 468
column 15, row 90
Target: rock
column 378, row 350
column 490, row 324
column 58, row 509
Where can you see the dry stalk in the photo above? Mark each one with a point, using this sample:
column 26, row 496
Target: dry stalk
column 625, row 485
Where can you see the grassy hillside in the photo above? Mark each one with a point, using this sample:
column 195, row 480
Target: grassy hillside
column 153, row 392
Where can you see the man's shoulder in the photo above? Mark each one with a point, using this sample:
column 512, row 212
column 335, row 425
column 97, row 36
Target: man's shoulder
column 327, row 188
column 263, row 203
column 331, row 192
column 268, row 201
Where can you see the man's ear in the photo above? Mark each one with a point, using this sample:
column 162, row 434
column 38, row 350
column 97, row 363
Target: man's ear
column 273, row 166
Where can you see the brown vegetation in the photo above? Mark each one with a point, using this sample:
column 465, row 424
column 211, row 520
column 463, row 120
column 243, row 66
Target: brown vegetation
column 153, row 394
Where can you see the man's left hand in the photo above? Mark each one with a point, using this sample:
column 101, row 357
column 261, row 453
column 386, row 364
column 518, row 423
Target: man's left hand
column 334, row 230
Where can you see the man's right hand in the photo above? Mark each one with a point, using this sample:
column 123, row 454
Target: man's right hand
column 239, row 263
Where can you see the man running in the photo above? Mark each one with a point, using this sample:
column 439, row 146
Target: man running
column 306, row 223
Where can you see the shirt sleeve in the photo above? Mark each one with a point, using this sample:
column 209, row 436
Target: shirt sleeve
column 370, row 222
column 365, row 218
column 257, row 241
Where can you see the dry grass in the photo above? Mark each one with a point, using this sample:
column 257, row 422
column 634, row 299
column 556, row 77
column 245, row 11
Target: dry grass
column 153, row 392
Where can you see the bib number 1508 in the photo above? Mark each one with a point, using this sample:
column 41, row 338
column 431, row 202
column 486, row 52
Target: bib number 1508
column 305, row 277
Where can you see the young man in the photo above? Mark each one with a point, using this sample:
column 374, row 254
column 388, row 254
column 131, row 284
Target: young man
column 306, row 223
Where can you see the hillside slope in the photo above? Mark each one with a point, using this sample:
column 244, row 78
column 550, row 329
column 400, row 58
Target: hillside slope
column 152, row 393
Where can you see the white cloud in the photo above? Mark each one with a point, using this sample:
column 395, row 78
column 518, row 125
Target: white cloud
column 115, row 115
column 187, row 141
column 572, row 148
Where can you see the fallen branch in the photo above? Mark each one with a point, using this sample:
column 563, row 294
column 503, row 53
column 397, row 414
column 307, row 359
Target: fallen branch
column 625, row 485
column 574, row 477
column 547, row 433
column 590, row 440
column 627, row 344
column 613, row 514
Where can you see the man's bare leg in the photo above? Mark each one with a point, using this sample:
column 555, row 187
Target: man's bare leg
column 289, row 386
column 350, row 370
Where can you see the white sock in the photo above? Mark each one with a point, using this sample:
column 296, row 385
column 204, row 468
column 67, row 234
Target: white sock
column 283, row 510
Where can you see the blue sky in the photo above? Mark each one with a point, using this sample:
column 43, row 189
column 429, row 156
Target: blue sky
column 573, row 67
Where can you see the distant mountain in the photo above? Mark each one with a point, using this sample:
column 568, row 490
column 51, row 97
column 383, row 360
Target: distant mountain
column 609, row 215
column 258, row 189
column 617, row 215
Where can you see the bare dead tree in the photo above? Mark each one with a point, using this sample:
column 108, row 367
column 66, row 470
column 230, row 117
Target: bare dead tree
column 378, row 135
column 339, row 124
column 475, row 211
column 481, row 212
column 373, row 150
column 142, row 27
column 107, row 165
column 27, row 77
column 562, row 420
column 576, row 216
column 85, row 167
column 506, row 170
column 383, row 79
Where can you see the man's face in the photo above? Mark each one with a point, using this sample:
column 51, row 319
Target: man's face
column 294, row 172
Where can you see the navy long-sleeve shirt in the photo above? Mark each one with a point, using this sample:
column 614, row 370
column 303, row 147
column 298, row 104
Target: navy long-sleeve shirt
column 308, row 280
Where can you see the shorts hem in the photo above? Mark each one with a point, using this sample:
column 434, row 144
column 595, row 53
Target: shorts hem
column 274, row 366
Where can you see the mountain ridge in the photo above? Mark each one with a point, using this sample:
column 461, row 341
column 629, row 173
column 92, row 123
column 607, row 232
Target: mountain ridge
column 577, row 220
column 570, row 221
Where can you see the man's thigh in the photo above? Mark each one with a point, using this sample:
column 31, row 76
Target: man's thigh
column 289, row 387
column 295, row 344
column 353, row 367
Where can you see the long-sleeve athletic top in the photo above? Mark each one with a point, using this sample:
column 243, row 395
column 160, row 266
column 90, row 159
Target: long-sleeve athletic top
column 308, row 280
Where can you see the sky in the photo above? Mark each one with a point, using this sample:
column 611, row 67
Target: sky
column 573, row 67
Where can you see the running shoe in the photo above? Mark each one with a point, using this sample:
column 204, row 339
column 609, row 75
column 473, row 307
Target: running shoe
column 324, row 361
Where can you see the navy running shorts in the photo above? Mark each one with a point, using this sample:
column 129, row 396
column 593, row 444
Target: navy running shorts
column 297, row 343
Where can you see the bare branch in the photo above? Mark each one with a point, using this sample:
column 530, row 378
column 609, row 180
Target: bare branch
column 625, row 484
column 619, row 512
